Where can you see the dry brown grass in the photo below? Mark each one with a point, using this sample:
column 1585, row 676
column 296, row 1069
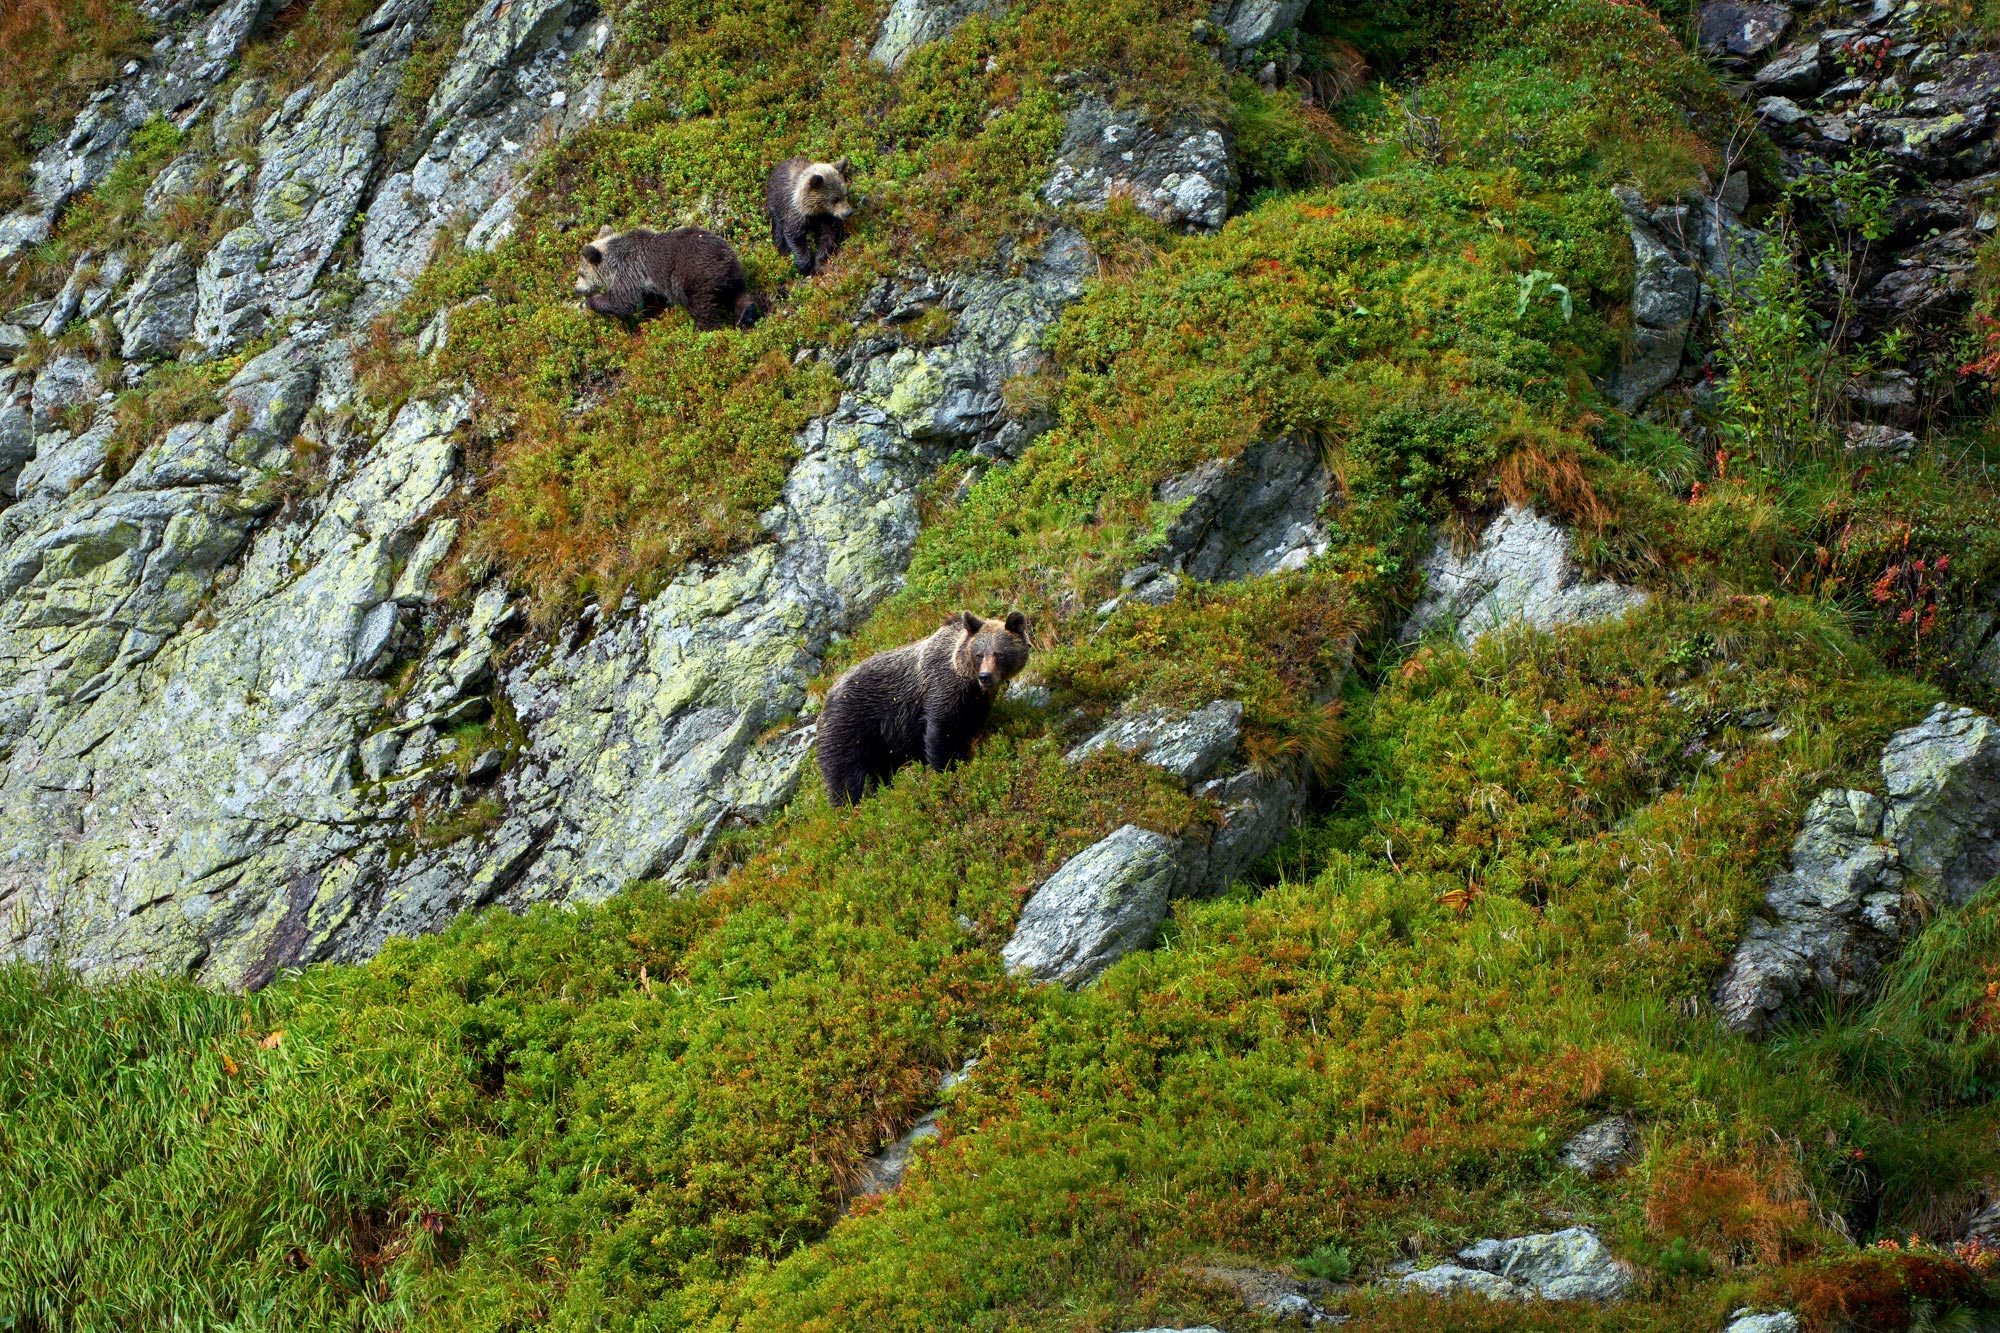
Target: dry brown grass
column 52, row 54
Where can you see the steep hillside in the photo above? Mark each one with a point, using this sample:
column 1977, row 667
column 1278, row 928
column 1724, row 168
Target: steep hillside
column 1494, row 832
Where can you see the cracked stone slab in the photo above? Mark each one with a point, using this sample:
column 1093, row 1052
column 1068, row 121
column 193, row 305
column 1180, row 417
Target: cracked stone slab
column 1568, row 1265
column 1180, row 173
column 1521, row 573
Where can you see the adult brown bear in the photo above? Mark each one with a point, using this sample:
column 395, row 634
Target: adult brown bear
column 925, row 700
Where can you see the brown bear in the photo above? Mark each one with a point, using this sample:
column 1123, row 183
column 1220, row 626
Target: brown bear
column 807, row 204
column 924, row 700
column 629, row 273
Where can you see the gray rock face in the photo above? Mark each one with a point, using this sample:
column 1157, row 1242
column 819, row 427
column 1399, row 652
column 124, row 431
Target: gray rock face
column 1179, row 173
column 1985, row 1224
column 223, row 795
column 913, row 24
column 1735, row 28
column 159, row 314
column 1110, row 898
column 1604, row 1148
column 1521, row 573
column 316, row 166
column 1189, row 745
column 1797, row 70
column 1860, row 862
column 1248, row 24
column 1104, row 902
column 1256, row 513
column 1571, row 1265
column 524, row 75
column 175, row 81
column 1687, row 256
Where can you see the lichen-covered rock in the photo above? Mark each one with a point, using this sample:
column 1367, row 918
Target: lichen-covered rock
column 159, row 313
column 1255, row 513
column 1521, row 573
column 249, row 805
column 524, row 74
column 913, row 24
column 1189, row 745
column 175, row 81
column 1742, row 29
column 1861, row 862
column 1569, row 1265
column 1603, row 1148
column 1688, row 257
column 1942, row 778
column 315, row 167
column 1104, row 902
column 1179, row 173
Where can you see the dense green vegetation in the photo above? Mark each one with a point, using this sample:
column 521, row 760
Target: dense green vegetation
column 1531, row 860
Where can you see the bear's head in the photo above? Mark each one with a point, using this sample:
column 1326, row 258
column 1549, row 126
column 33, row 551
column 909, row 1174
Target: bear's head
column 822, row 190
column 992, row 652
column 588, row 279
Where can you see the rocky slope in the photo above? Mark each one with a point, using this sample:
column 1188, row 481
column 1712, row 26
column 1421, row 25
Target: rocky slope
column 1508, row 545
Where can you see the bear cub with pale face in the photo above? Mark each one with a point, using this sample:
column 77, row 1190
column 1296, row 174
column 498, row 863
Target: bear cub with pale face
column 807, row 204
column 632, row 273
column 925, row 700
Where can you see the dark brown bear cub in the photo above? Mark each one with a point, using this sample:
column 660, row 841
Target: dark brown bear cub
column 925, row 700
column 629, row 273
column 807, row 204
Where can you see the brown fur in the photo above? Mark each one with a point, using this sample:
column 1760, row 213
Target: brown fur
column 631, row 273
column 925, row 700
column 807, row 204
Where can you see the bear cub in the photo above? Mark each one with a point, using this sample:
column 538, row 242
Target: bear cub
column 630, row 273
column 923, row 700
column 807, row 204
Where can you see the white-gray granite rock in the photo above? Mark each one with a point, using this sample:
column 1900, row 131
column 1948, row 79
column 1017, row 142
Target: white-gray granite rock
column 1179, row 173
column 1105, row 901
column 1569, row 1265
column 1860, row 865
column 1521, row 573
column 1603, row 1148
column 1191, row 746
column 1777, row 1321
column 1248, row 24
column 159, row 311
column 913, row 24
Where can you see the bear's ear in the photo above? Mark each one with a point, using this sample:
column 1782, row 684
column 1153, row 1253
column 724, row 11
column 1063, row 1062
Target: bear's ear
column 606, row 230
column 815, row 180
column 1017, row 623
column 973, row 624
column 592, row 255
column 844, row 167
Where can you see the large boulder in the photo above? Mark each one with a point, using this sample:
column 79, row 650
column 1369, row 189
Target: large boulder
column 1740, row 29
column 1179, row 172
column 1862, row 863
column 1520, row 573
column 1247, row 24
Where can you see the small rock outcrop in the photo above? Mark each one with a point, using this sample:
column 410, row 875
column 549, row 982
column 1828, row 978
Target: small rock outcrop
column 1604, row 1148
column 1112, row 897
column 1571, row 1265
column 1778, row 1321
column 1687, row 256
column 913, row 24
column 1179, row 173
column 1248, row 24
column 1256, row 513
column 1274, row 1294
column 1521, row 573
column 884, row 1172
column 1105, row 901
column 1861, row 865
